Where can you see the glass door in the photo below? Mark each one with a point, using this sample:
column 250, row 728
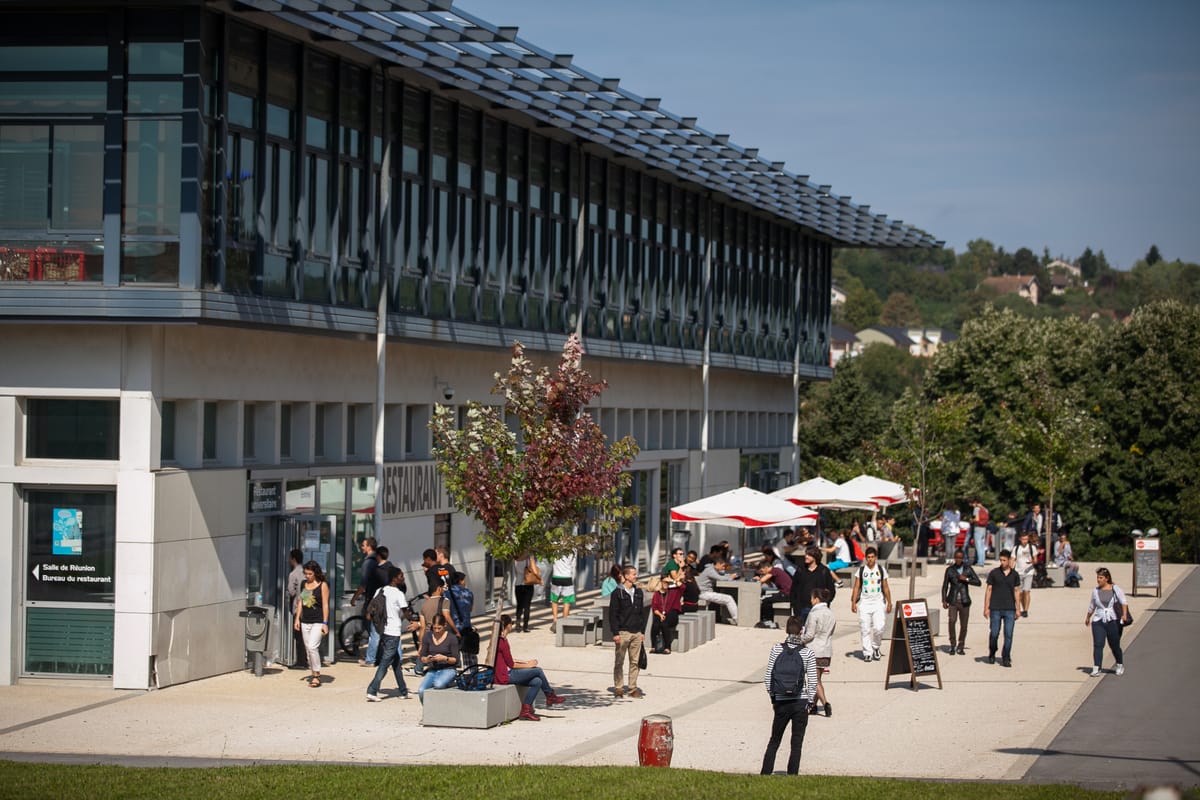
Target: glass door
column 69, row 582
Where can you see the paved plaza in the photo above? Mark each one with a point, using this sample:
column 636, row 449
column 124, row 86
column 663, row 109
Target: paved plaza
column 1005, row 724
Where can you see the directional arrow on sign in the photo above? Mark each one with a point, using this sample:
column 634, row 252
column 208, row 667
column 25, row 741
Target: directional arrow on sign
column 36, row 576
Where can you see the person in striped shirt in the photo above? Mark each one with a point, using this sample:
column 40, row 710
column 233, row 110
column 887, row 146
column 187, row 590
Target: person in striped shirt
column 791, row 681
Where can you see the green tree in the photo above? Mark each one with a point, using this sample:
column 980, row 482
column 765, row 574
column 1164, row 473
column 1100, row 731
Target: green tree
column 888, row 371
column 837, row 418
column 1152, row 255
column 1051, row 436
column 862, row 306
column 899, row 309
column 1146, row 390
column 928, row 438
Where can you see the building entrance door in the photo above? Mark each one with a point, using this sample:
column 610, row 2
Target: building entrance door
column 69, row 582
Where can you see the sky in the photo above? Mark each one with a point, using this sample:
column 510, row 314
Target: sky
column 1048, row 124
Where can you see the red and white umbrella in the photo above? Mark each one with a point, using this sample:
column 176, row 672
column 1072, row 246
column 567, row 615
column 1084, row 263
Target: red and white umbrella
column 877, row 490
column 743, row 508
column 821, row 493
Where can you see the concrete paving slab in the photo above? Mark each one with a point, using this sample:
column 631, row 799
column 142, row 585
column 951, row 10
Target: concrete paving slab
column 1000, row 719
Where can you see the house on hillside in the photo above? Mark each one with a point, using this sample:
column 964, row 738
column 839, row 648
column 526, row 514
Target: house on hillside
column 918, row 341
column 1065, row 267
column 843, row 343
column 1060, row 282
column 837, row 297
column 1022, row 285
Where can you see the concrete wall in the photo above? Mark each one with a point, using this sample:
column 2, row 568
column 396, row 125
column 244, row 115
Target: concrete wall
column 198, row 560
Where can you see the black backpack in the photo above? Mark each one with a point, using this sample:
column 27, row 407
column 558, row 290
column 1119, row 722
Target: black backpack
column 377, row 611
column 788, row 674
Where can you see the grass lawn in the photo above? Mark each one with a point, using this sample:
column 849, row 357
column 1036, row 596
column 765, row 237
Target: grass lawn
column 58, row 781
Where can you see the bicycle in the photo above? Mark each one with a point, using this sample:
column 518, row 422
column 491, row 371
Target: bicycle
column 353, row 634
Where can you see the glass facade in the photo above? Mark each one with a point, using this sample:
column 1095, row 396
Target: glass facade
column 326, row 181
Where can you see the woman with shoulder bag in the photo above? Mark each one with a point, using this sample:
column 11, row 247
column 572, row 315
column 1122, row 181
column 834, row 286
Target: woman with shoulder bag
column 531, row 577
column 1107, row 612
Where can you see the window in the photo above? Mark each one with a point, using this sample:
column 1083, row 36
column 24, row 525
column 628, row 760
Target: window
column 167, row 448
column 248, row 431
column 78, row 429
column 319, row 430
column 285, row 430
column 210, row 431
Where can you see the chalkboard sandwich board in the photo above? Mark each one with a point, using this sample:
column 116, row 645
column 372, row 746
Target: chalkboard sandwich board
column 912, row 650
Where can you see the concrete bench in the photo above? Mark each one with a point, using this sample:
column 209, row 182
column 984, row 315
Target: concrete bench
column 899, row 569
column 573, row 631
column 454, row 708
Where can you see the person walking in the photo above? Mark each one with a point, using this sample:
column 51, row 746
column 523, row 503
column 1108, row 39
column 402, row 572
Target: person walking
column 294, row 582
column 1025, row 565
column 627, row 619
column 818, row 637
column 956, row 599
column 562, row 588
column 871, row 599
column 811, row 575
column 390, row 640
column 312, row 617
column 1107, row 612
column 1000, row 607
column 791, row 680
column 980, row 519
column 525, row 673
column 528, row 578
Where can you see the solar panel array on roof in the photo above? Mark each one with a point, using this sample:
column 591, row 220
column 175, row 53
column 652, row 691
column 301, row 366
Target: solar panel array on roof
column 461, row 50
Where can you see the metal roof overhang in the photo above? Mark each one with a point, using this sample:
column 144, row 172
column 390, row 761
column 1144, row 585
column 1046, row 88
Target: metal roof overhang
column 463, row 51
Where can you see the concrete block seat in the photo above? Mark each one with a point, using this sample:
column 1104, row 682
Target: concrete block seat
column 899, row 569
column 573, row 631
column 454, row 708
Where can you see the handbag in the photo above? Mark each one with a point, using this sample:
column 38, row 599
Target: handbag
column 642, row 660
column 476, row 678
column 532, row 576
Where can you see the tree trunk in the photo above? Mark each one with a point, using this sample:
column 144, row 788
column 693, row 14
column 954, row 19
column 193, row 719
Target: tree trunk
column 490, row 660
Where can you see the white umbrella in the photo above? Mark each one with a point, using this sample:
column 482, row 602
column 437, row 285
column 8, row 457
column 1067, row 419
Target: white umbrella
column 870, row 488
column 821, row 493
column 743, row 508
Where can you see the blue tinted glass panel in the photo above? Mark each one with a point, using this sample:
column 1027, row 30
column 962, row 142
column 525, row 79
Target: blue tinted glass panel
column 152, row 177
column 155, row 97
column 79, row 177
column 24, row 176
column 53, row 59
column 155, row 58
column 43, row 97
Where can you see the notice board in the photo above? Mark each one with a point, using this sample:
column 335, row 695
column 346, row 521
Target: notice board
column 1147, row 565
column 912, row 650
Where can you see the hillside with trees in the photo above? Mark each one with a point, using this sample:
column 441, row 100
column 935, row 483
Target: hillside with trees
column 1090, row 398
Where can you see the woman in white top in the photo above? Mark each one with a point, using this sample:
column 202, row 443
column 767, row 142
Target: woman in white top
column 818, row 637
column 1107, row 612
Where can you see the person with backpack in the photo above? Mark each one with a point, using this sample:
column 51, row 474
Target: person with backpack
column 791, row 681
column 818, row 637
column 462, row 602
column 872, row 601
column 389, row 617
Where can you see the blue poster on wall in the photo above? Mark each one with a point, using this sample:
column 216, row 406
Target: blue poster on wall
column 68, row 532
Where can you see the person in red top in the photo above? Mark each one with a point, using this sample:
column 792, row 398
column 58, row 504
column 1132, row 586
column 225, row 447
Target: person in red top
column 666, row 605
column 980, row 517
column 527, row 673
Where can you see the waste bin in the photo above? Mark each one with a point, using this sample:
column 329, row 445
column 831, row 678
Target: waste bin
column 258, row 623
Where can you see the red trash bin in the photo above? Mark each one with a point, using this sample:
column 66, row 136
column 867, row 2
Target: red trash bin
column 656, row 741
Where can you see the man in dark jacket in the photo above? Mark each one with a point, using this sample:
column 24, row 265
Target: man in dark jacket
column 627, row 620
column 956, row 599
column 811, row 575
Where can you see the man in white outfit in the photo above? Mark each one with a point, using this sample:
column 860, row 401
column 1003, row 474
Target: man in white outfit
column 872, row 600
